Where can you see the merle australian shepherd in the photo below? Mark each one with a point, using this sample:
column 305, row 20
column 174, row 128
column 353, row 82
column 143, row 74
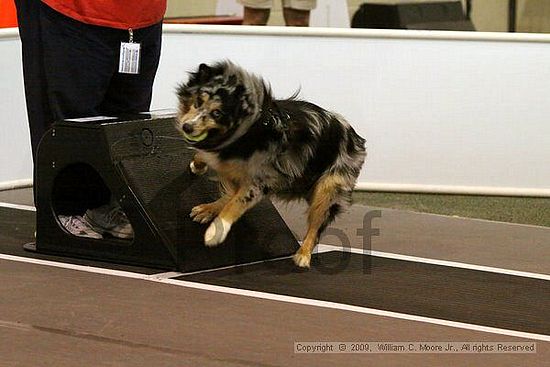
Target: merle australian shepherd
column 260, row 146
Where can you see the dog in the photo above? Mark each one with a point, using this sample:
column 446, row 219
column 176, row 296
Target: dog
column 261, row 147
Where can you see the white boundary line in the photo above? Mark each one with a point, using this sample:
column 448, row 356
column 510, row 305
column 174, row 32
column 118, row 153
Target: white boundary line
column 424, row 260
column 167, row 275
column 488, row 221
column 84, row 268
column 159, row 278
column 18, row 206
column 236, row 266
column 451, row 189
column 16, row 184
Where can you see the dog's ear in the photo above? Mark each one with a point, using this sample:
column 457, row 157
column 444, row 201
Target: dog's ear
column 204, row 73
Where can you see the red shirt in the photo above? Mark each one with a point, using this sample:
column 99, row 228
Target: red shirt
column 8, row 18
column 122, row 14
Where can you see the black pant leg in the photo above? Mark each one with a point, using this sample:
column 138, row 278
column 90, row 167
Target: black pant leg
column 39, row 114
column 80, row 61
column 129, row 93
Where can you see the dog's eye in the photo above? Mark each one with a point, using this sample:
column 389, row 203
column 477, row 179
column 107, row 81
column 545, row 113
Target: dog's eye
column 216, row 114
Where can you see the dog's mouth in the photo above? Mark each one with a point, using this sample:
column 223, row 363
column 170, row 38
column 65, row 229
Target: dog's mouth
column 195, row 137
column 203, row 138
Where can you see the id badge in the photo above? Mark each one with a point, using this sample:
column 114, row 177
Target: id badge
column 129, row 56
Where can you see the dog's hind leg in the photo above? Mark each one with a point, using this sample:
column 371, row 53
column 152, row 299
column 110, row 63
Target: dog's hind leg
column 324, row 205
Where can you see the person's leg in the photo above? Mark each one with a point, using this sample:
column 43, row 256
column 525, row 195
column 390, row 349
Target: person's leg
column 131, row 93
column 256, row 12
column 39, row 113
column 297, row 12
column 296, row 18
column 80, row 61
column 255, row 16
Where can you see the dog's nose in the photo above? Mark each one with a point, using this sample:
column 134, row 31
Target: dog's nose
column 187, row 128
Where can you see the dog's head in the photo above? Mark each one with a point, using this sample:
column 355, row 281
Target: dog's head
column 214, row 103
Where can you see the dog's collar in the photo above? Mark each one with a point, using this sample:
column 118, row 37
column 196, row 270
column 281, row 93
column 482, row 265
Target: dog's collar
column 270, row 116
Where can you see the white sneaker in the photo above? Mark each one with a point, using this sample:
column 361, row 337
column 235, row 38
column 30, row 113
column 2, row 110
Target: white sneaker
column 76, row 225
column 110, row 219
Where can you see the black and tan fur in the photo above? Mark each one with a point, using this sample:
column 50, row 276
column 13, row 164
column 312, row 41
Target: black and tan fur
column 261, row 146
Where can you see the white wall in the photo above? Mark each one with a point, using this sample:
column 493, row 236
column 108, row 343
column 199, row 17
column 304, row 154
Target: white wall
column 15, row 145
column 439, row 114
column 435, row 111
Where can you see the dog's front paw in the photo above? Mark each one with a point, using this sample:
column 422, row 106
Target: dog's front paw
column 198, row 168
column 204, row 213
column 302, row 258
column 217, row 232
